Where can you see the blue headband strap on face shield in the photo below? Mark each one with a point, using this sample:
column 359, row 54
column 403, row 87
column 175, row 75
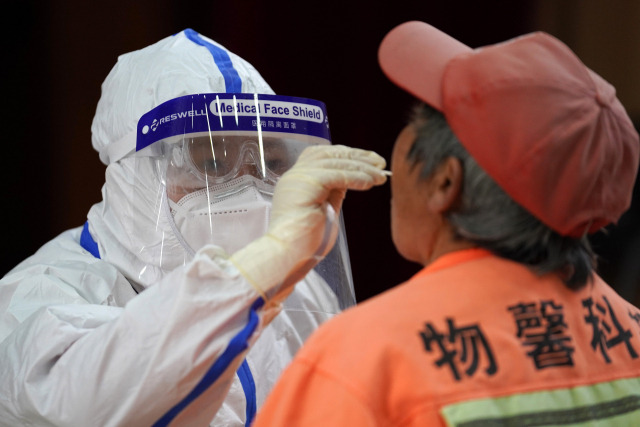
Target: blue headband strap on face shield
column 231, row 112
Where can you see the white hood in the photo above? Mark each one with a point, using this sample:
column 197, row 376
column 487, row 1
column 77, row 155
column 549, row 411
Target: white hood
column 183, row 64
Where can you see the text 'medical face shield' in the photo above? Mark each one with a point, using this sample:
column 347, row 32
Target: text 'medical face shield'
column 234, row 114
column 218, row 157
column 214, row 138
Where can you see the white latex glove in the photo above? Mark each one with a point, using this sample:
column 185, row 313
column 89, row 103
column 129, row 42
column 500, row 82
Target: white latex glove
column 306, row 205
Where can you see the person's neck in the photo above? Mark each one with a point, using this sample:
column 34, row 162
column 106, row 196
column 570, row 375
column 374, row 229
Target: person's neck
column 445, row 242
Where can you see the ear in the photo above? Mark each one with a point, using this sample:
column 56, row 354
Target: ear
column 446, row 184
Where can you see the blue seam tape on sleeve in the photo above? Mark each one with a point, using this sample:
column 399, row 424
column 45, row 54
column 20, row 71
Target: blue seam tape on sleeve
column 237, row 345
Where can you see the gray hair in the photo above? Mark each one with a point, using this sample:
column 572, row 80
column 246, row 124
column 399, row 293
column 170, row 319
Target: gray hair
column 488, row 217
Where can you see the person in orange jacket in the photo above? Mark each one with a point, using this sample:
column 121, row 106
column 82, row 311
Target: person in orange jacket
column 515, row 154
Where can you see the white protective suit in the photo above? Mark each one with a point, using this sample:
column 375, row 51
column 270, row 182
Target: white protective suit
column 100, row 334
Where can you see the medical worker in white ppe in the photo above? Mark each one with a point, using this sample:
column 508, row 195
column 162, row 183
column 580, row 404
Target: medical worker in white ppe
column 197, row 278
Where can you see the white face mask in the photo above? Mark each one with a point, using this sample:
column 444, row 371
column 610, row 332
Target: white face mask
column 230, row 222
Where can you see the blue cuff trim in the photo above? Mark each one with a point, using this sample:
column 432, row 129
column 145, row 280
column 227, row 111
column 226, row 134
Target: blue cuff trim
column 87, row 242
column 232, row 80
column 237, row 345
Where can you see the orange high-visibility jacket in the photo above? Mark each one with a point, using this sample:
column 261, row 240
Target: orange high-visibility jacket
column 471, row 340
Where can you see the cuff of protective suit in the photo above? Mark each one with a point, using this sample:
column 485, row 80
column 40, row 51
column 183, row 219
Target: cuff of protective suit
column 217, row 264
column 269, row 265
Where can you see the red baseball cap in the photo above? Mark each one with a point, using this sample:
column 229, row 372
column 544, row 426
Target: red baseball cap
column 546, row 128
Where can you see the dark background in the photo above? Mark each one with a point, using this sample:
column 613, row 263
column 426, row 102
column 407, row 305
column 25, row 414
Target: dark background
column 56, row 55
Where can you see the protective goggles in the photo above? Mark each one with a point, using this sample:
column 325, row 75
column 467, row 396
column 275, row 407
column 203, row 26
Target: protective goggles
column 219, row 158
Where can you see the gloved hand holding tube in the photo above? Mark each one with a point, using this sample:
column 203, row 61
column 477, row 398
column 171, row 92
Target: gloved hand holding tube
column 306, row 204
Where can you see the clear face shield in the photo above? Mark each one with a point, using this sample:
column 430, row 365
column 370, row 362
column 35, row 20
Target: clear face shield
column 207, row 166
